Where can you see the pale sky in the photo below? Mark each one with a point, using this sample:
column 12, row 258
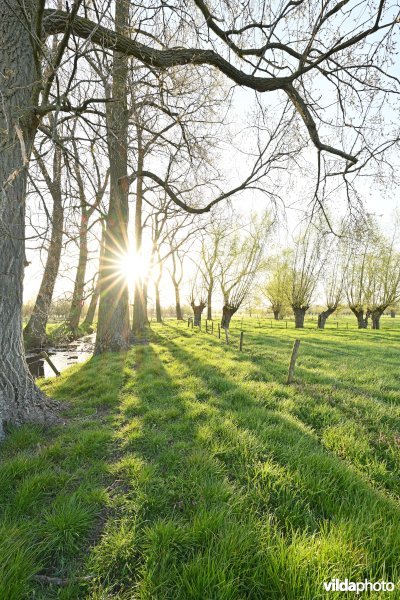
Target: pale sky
column 376, row 200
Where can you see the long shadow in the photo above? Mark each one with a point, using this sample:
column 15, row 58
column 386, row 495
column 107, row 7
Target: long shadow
column 325, row 490
column 317, row 349
column 54, row 480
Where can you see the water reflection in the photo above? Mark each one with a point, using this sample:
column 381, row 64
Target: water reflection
column 36, row 366
column 64, row 357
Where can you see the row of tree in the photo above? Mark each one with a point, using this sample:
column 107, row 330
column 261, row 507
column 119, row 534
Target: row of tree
column 362, row 271
column 106, row 104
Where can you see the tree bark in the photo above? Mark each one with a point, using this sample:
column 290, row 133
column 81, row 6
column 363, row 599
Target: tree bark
column 227, row 314
column 178, row 307
column 362, row 319
column 35, row 331
column 113, row 323
column 209, row 303
column 299, row 314
column 324, row 315
column 376, row 318
column 158, row 303
column 197, row 311
column 20, row 399
column 145, row 302
column 79, row 286
column 392, row 314
column 139, row 320
column 276, row 314
column 89, row 318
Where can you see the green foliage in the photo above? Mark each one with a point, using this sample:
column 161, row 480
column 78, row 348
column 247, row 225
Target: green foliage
column 187, row 470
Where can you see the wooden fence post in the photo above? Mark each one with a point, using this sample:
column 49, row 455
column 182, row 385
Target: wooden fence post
column 241, row 341
column 206, row 325
column 293, row 360
column 219, row 331
column 50, row 362
column 212, row 326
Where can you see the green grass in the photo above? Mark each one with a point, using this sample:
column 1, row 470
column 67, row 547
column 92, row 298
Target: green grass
column 187, row 470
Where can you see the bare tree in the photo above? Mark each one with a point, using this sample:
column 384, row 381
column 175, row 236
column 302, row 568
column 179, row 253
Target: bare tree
column 89, row 317
column 210, row 248
column 198, row 298
column 239, row 261
column 289, row 54
column 276, row 288
column 333, row 276
column 373, row 281
column 176, row 273
column 87, row 209
column 306, row 265
column 113, row 332
column 35, row 331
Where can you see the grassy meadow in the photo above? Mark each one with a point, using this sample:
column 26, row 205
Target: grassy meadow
column 185, row 469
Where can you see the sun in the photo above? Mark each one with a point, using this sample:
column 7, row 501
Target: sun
column 133, row 266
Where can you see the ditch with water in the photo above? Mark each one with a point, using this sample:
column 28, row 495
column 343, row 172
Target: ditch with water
column 62, row 356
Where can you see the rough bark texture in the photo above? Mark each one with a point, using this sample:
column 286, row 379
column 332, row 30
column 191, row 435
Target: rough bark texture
column 35, row 331
column 392, row 314
column 20, row 399
column 276, row 314
column 113, row 323
column 376, row 319
column 362, row 319
column 299, row 314
column 227, row 314
column 197, row 312
column 324, row 315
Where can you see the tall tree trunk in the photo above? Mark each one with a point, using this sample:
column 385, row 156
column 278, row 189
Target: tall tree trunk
column 35, row 331
column 227, row 314
column 376, row 318
column 139, row 320
column 113, row 323
column 197, row 311
column 20, row 399
column 209, row 303
column 145, row 302
column 79, row 286
column 362, row 319
column 299, row 314
column 178, row 307
column 89, row 318
column 276, row 314
column 392, row 314
column 158, row 303
column 324, row 315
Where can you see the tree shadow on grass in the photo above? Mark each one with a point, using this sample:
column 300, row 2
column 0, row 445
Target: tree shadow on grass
column 306, row 486
column 227, row 499
column 53, row 482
